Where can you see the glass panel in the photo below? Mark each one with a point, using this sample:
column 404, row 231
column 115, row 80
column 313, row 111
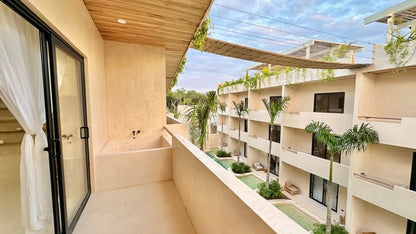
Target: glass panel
column 275, row 98
column 336, row 103
column 275, row 133
column 71, row 119
column 317, row 188
column 321, row 103
column 274, row 165
column 318, row 149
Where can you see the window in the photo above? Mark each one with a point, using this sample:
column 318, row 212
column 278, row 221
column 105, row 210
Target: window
column 246, row 102
column 329, row 102
column 319, row 150
column 274, row 133
column 275, row 98
column 245, row 125
column 317, row 191
column 245, row 149
column 274, row 164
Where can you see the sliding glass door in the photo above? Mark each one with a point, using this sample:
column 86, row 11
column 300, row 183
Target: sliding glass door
column 73, row 159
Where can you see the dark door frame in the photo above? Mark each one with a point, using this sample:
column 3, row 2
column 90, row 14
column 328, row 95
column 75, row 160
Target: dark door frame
column 48, row 39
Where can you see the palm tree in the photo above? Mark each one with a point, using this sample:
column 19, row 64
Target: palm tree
column 199, row 115
column 241, row 110
column 274, row 109
column 222, row 106
column 353, row 139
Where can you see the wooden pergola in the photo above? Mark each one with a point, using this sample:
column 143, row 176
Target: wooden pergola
column 228, row 49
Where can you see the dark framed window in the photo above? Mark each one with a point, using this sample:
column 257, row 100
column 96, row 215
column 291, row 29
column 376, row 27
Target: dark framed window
column 274, row 164
column 245, row 149
column 329, row 102
column 246, row 125
column 318, row 188
column 274, row 133
column 319, row 150
column 246, row 102
column 275, row 98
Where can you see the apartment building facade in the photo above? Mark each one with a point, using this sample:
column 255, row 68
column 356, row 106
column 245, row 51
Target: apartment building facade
column 375, row 190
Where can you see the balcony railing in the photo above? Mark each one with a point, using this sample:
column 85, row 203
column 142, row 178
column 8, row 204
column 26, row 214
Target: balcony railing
column 338, row 122
column 212, row 195
column 316, row 165
column 387, row 195
column 262, row 144
column 393, row 131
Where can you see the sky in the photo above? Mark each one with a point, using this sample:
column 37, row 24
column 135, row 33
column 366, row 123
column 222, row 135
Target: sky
column 277, row 26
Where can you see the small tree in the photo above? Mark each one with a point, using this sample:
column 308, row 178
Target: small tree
column 353, row 139
column 241, row 110
column 274, row 109
column 199, row 115
column 222, row 106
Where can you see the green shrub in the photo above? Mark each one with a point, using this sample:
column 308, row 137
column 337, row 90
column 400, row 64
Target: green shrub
column 335, row 229
column 271, row 192
column 240, row 167
column 222, row 153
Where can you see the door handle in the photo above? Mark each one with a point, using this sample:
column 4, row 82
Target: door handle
column 84, row 132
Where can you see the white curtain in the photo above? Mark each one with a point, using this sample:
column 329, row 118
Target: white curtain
column 21, row 90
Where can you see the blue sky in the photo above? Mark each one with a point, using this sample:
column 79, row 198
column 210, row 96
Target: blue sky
column 272, row 25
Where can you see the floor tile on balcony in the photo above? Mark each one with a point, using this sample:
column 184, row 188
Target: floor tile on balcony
column 150, row 208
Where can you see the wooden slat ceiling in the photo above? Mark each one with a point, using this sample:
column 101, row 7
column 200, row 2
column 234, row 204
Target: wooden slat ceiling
column 251, row 54
column 164, row 23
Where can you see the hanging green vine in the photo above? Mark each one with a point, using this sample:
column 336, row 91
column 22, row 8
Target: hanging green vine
column 203, row 32
column 179, row 71
column 399, row 48
column 340, row 52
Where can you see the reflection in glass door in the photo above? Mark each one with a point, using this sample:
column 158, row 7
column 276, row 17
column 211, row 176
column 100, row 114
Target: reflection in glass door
column 69, row 86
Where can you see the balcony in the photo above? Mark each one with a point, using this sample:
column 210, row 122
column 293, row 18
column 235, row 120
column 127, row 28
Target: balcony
column 316, row 165
column 263, row 145
column 381, row 60
column 226, row 129
column 338, row 122
column 262, row 115
column 198, row 195
column 226, row 112
column 234, row 134
column 393, row 131
column 387, row 195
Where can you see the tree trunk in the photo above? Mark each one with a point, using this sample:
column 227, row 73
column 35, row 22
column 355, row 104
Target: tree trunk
column 329, row 198
column 268, row 163
column 238, row 143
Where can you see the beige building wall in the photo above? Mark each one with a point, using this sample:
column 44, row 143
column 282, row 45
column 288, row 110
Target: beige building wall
column 297, row 140
column 255, row 155
column 259, row 129
column 386, row 163
column 255, row 99
column 302, row 95
column 371, row 218
column 388, row 95
column 136, row 89
column 296, row 176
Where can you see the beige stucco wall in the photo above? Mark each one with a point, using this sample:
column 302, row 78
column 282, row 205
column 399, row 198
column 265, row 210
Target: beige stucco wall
column 255, row 96
column 297, row 139
column 302, row 95
column 260, row 129
column 81, row 33
column 368, row 217
column 297, row 176
column 135, row 88
column 379, row 160
column 255, row 155
column 388, row 95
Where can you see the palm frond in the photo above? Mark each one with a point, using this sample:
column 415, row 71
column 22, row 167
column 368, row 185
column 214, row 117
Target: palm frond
column 357, row 138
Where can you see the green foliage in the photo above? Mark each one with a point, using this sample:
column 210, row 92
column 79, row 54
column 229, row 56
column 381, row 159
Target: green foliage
column 340, row 52
column 179, row 71
column 203, row 32
column 222, row 154
column 271, row 192
column 335, row 229
column 399, row 50
column 198, row 116
column 240, row 167
column 275, row 108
